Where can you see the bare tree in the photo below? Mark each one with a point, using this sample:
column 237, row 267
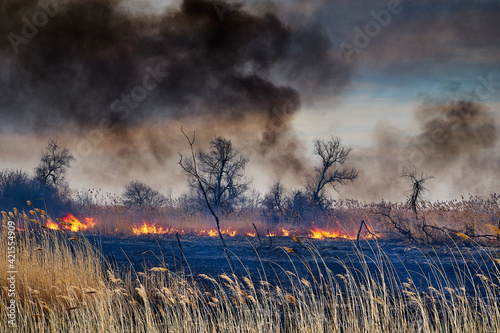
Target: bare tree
column 191, row 168
column 53, row 165
column 415, row 195
column 275, row 201
column 333, row 155
column 299, row 206
column 17, row 186
column 221, row 173
column 252, row 201
column 140, row 196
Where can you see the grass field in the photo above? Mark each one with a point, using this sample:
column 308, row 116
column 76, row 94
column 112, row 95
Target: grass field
column 65, row 284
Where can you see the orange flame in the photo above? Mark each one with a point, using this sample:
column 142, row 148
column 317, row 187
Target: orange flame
column 231, row 233
column 214, row 233
column 206, row 232
column 52, row 225
column 151, row 228
column 322, row 234
column 69, row 222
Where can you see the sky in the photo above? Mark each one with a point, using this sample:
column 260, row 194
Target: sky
column 406, row 84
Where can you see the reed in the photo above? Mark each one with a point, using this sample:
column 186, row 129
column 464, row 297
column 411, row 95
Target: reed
column 65, row 285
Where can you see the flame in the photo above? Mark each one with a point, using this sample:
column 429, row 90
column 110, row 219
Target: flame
column 206, row 232
column 151, row 228
column 70, row 222
column 214, row 233
column 231, row 233
column 322, row 234
column 371, row 234
column 52, row 225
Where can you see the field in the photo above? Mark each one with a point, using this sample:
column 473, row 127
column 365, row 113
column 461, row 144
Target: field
column 83, row 281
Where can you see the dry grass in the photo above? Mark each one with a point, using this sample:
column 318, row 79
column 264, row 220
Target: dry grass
column 63, row 286
column 474, row 217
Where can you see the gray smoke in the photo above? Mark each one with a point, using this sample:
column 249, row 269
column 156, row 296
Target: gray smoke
column 94, row 70
column 457, row 143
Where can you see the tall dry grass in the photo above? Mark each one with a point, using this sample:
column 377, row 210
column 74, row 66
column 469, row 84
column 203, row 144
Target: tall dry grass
column 63, row 285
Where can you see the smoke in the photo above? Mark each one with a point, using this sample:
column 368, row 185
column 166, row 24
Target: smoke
column 457, row 143
column 112, row 78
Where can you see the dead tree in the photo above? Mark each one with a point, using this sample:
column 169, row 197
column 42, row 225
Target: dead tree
column 275, row 201
column 190, row 167
column 52, row 167
column 142, row 197
column 416, row 194
column 221, row 171
column 332, row 154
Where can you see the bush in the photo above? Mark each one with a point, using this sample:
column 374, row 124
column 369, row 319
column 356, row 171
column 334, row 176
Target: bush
column 16, row 186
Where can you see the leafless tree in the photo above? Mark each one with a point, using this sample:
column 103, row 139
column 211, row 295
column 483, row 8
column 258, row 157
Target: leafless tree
column 53, row 165
column 221, row 173
column 252, row 201
column 140, row 196
column 415, row 195
column 275, row 201
column 333, row 155
column 199, row 176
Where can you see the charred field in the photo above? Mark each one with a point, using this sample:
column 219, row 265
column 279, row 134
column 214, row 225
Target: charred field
column 155, row 276
column 273, row 258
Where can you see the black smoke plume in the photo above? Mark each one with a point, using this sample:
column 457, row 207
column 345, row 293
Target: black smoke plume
column 98, row 71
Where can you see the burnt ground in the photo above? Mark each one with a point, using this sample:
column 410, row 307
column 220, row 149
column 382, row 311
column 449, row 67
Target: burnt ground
column 204, row 255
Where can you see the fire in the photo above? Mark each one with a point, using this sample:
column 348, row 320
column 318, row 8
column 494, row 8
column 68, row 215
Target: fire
column 285, row 232
column 214, row 233
column 206, row 232
column 322, row 234
column 52, row 225
column 231, row 233
column 251, row 234
column 151, row 228
column 70, row 222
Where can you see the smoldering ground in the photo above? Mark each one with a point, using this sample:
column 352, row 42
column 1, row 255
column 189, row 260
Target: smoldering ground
column 115, row 83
